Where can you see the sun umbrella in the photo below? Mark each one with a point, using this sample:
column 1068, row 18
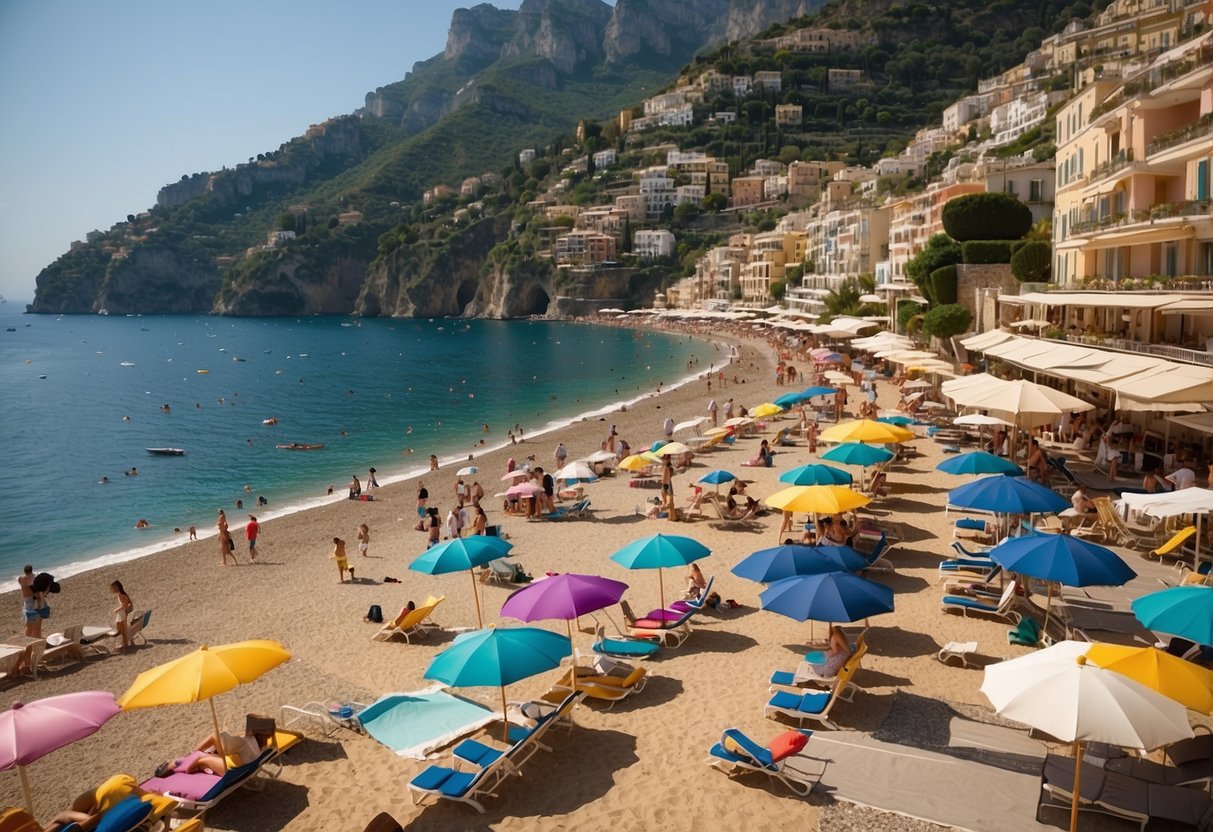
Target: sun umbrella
column 1187, row 683
column 818, row 390
column 978, row 462
column 899, row 420
column 690, row 423
column 1075, row 701
column 660, row 552
column 204, row 674
column 828, row 358
column 866, row 430
column 766, row 409
column 790, row 400
column 857, row 453
column 1184, row 611
column 717, row 477
column 1060, row 558
column 30, row 731
column 524, row 490
column 516, row 474
column 497, row 657
column 768, row 565
column 576, row 472
column 817, row 499
column 467, row 471
column 635, row 462
column 598, row 456
column 672, row 449
column 1007, row 495
column 830, row 596
column 738, row 421
column 981, row 420
column 462, row 553
column 816, row 475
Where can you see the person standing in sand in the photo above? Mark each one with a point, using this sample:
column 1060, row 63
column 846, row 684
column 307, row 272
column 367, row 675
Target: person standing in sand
column 122, row 612
column 343, row 564
column 371, row 481
column 561, row 455
column 29, row 612
column 250, row 534
column 423, row 497
column 477, row 493
column 227, row 546
column 712, row 409
column 433, row 462
column 364, row 539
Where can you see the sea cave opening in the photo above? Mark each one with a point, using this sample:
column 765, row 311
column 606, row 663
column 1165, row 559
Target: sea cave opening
column 535, row 302
column 464, row 295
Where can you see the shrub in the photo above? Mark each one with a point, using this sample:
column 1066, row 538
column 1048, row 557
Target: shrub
column 905, row 311
column 946, row 321
column 986, row 251
column 1033, row 262
column 944, row 285
column 989, row 216
column 941, row 251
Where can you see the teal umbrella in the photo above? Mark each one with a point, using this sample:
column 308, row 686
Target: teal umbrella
column 816, row 475
column 857, row 453
column 1184, row 611
column 459, row 554
column 497, row 657
column 659, row 552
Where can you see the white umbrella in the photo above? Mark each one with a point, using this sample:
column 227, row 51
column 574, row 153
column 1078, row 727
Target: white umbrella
column 690, row 423
column 516, row 474
column 1056, row 691
column 575, row 471
column 980, row 420
column 599, row 456
column 671, row 449
column 737, row 421
column 466, row 471
column 917, row 384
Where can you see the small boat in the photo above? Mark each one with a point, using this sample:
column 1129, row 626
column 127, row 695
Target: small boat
column 11, row 329
column 203, row 372
column 273, row 420
column 299, row 446
column 126, row 364
column 165, row 451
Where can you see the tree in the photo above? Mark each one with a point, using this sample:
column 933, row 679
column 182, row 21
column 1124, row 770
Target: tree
column 941, row 251
column 845, row 301
column 906, row 310
column 286, row 221
column 947, row 320
column 778, row 289
column 944, row 284
column 715, row 203
column 1033, row 262
column 987, row 216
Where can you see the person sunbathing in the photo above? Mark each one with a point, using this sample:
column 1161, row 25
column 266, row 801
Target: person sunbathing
column 836, row 654
column 86, row 810
column 236, row 751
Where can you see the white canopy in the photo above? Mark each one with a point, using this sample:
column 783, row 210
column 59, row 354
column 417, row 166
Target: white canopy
column 1171, row 503
column 1115, row 300
column 1175, row 383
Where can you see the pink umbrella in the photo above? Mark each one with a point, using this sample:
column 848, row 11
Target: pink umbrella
column 515, row 474
column 524, row 490
column 30, row 731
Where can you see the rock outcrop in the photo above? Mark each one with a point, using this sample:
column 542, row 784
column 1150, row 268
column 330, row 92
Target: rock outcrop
column 157, row 279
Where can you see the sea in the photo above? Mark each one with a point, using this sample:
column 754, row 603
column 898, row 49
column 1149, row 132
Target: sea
column 83, row 396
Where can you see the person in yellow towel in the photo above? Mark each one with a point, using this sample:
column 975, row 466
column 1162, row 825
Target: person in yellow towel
column 87, row 809
column 343, row 564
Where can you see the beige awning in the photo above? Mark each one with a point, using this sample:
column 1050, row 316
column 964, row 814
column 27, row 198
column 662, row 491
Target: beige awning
column 1175, row 383
column 1189, row 306
column 1017, row 350
column 982, row 342
column 1202, row 422
column 1115, row 300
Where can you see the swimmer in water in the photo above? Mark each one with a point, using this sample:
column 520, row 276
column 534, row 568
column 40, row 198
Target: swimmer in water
column 103, row 480
column 142, row 524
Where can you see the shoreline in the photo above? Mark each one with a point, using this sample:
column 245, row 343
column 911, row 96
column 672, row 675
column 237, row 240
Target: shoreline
column 303, row 503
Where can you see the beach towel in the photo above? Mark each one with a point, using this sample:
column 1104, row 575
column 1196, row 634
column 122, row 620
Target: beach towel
column 1026, row 633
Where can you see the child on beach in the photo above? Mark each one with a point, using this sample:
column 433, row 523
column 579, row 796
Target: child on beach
column 343, row 565
column 364, row 539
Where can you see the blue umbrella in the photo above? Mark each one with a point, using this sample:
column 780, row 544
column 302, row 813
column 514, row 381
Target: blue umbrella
column 857, row 453
column 717, row 477
column 978, row 462
column 659, row 552
column 832, row 596
column 1007, row 495
column 1184, row 611
column 462, row 553
column 816, row 475
column 900, row 421
column 658, row 445
column 814, row 392
column 497, row 657
column 768, row 565
column 790, row 400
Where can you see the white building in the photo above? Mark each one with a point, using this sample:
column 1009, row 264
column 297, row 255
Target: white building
column 605, row 158
column 649, row 244
column 526, row 155
column 657, row 189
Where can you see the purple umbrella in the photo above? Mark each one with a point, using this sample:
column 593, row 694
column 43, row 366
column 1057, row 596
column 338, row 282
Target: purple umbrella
column 563, row 597
column 30, row 731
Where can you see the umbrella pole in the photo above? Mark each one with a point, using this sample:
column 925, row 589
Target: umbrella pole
column 572, row 657
column 479, row 617
column 661, row 586
column 29, row 801
column 1077, row 786
column 505, row 719
column 1048, row 606
column 215, row 719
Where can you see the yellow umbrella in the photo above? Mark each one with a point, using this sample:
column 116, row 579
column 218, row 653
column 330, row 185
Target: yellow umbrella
column 817, row 499
column 635, row 462
column 203, row 674
column 866, row 430
column 1185, row 682
column 671, row 449
column 717, row 432
column 766, row 409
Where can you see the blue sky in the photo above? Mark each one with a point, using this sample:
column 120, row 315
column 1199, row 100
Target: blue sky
column 102, row 103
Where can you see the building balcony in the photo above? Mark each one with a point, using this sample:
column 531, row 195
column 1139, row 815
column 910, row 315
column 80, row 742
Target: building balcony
column 1169, row 351
column 1203, row 127
column 1191, row 209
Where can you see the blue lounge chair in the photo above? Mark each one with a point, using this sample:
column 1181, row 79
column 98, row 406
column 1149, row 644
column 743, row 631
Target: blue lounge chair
column 815, row 704
column 805, row 675
column 735, row 751
column 1001, row 609
column 625, row 648
column 577, row 509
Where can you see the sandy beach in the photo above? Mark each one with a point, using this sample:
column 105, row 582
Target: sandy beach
column 638, row 765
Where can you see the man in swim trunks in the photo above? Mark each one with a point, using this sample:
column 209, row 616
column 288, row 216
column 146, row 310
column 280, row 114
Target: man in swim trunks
column 250, row 534
column 33, row 624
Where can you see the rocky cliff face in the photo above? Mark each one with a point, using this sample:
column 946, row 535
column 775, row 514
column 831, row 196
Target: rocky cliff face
column 297, row 285
column 157, row 279
column 747, row 18
column 657, row 27
column 568, row 33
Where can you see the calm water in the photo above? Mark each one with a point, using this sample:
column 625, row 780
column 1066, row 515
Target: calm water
column 67, row 384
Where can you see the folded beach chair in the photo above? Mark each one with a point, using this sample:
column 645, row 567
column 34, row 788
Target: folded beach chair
column 410, row 624
column 1002, row 609
column 577, row 509
column 500, row 571
column 626, row 648
column 736, row 753
column 815, row 704
column 806, row 675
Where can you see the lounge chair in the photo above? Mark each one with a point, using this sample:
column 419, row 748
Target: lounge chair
column 983, row 587
column 1174, row 546
column 626, row 648
column 671, row 633
column 199, row 791
column 410, row 623
column 1002, row 609
column 577, row 509
column 875, row 560
column 1115, row 530
column 815, row 704
column 958, row 653
column 697, row 603
column 63, row 648
column 603, row 687
column 806, row 675
column 743, row 521
column 735, row 752
column 500, row 571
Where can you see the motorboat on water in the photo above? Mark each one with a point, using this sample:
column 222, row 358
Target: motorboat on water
column 300, row 446
column 165, row 451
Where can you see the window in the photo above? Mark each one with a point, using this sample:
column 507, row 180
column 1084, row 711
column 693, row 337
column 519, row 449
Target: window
column 1202, row 179
column 1035, row 187
column 1009, row 187
column 1171, row 256
column 1206, row 258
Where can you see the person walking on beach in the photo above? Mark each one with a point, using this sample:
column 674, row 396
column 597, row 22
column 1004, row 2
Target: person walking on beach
column 29, row 614
column 477, row 493
column 122, row 612
column 481, row 522
column 371, row 481
column 423, row 497
column 461, row 492
column 435, row 528
column 250, row 534
column 667, row 486
column 728, row 409
column 712, row 410
column 452, row 523
column 561, row 455
column 227, row 546
column 343, row 564
column 221, row 523
column 364, row 539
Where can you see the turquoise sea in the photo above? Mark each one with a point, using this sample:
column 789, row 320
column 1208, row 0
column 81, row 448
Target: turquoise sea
column 368, row 390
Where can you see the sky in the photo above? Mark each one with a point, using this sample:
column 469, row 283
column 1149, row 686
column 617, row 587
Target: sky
column 103, row 103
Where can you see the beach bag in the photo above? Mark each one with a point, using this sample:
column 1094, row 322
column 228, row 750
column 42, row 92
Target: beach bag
column 375, row 614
